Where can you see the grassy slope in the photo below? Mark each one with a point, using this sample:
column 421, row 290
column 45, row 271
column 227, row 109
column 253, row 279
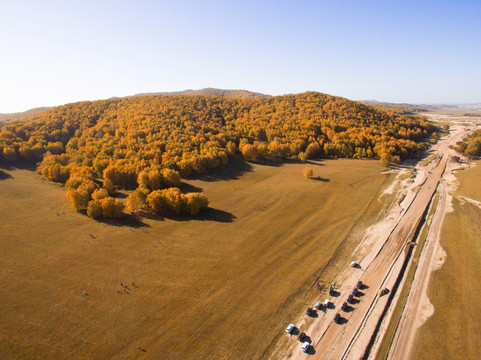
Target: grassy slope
column 454, row 331
column 223, row 286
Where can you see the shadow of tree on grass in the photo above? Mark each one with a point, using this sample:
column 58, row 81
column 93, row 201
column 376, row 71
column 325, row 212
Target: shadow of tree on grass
column 233, row 170
column 318, row 178
column 127, row 221
column 209, row 214
column 4, row 175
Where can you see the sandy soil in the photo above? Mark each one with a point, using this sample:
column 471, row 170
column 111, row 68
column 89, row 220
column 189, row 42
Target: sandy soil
column 380, row 256
column 418, row 307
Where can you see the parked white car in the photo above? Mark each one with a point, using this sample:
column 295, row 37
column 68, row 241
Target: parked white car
column 305, row 346
column 289, row 328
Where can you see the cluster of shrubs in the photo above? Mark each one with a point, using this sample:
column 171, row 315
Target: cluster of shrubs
column 471, row 147
column 158, row 193
column 170, row 200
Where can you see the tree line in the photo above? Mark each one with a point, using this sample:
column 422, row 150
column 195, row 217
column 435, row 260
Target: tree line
column 149, row 142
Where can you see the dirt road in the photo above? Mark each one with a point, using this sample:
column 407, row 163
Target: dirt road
column 414, row 315
column 349, row 338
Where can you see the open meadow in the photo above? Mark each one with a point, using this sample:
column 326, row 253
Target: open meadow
column 454, row 331
column 223, row 285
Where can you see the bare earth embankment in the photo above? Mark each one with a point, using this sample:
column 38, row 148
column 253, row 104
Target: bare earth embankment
column 222, row 286
column 381, row 263
column 454, row 329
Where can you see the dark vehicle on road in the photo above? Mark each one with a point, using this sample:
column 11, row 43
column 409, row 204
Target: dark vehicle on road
column 350, row 299
column 337, row 318
column 302, row 336
column 344, row 306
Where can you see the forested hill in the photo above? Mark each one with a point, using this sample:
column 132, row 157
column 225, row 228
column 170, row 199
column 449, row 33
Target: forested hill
column 212, row 92
column 193, row 133
column 403, row 109
column 19, row 115
column 147, row 141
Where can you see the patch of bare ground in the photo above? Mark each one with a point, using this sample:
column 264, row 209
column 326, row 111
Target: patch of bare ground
column 418, row 307
column 453, row 330
column 382, row 262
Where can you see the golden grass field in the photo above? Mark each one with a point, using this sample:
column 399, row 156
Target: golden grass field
column 221, row 286
column 454, row 331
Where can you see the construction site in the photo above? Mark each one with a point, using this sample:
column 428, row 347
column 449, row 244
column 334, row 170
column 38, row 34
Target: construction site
column 372, row 308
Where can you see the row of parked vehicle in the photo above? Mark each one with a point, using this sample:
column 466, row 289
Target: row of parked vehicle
column 318, row 305
column 350, row 300
column 302, row 337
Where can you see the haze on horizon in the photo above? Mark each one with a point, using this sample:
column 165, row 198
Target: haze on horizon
column 397, row 51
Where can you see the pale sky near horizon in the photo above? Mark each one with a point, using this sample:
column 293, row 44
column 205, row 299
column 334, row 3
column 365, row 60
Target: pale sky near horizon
column 56, row 52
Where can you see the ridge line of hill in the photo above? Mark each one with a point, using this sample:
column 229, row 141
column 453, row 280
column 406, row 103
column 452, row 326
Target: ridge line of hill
column 211, row 92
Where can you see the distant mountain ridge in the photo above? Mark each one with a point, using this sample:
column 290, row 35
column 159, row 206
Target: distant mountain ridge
column 18, row 115
column 244, row 94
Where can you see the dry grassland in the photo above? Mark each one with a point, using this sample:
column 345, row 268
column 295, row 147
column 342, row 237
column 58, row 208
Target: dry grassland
column 222, row 286
column 454, row 331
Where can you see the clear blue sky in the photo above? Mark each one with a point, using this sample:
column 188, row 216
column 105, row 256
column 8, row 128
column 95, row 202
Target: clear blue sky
column 55, row 52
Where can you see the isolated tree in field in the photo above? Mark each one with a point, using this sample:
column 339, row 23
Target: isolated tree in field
column 308, row 172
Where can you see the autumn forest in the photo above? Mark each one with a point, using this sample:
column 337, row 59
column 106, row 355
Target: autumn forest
column 147, row 144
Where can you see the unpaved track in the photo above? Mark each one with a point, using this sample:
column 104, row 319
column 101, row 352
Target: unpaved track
column 336, row 340
column 333, row 341
column 412, row 316
column 403, row 340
